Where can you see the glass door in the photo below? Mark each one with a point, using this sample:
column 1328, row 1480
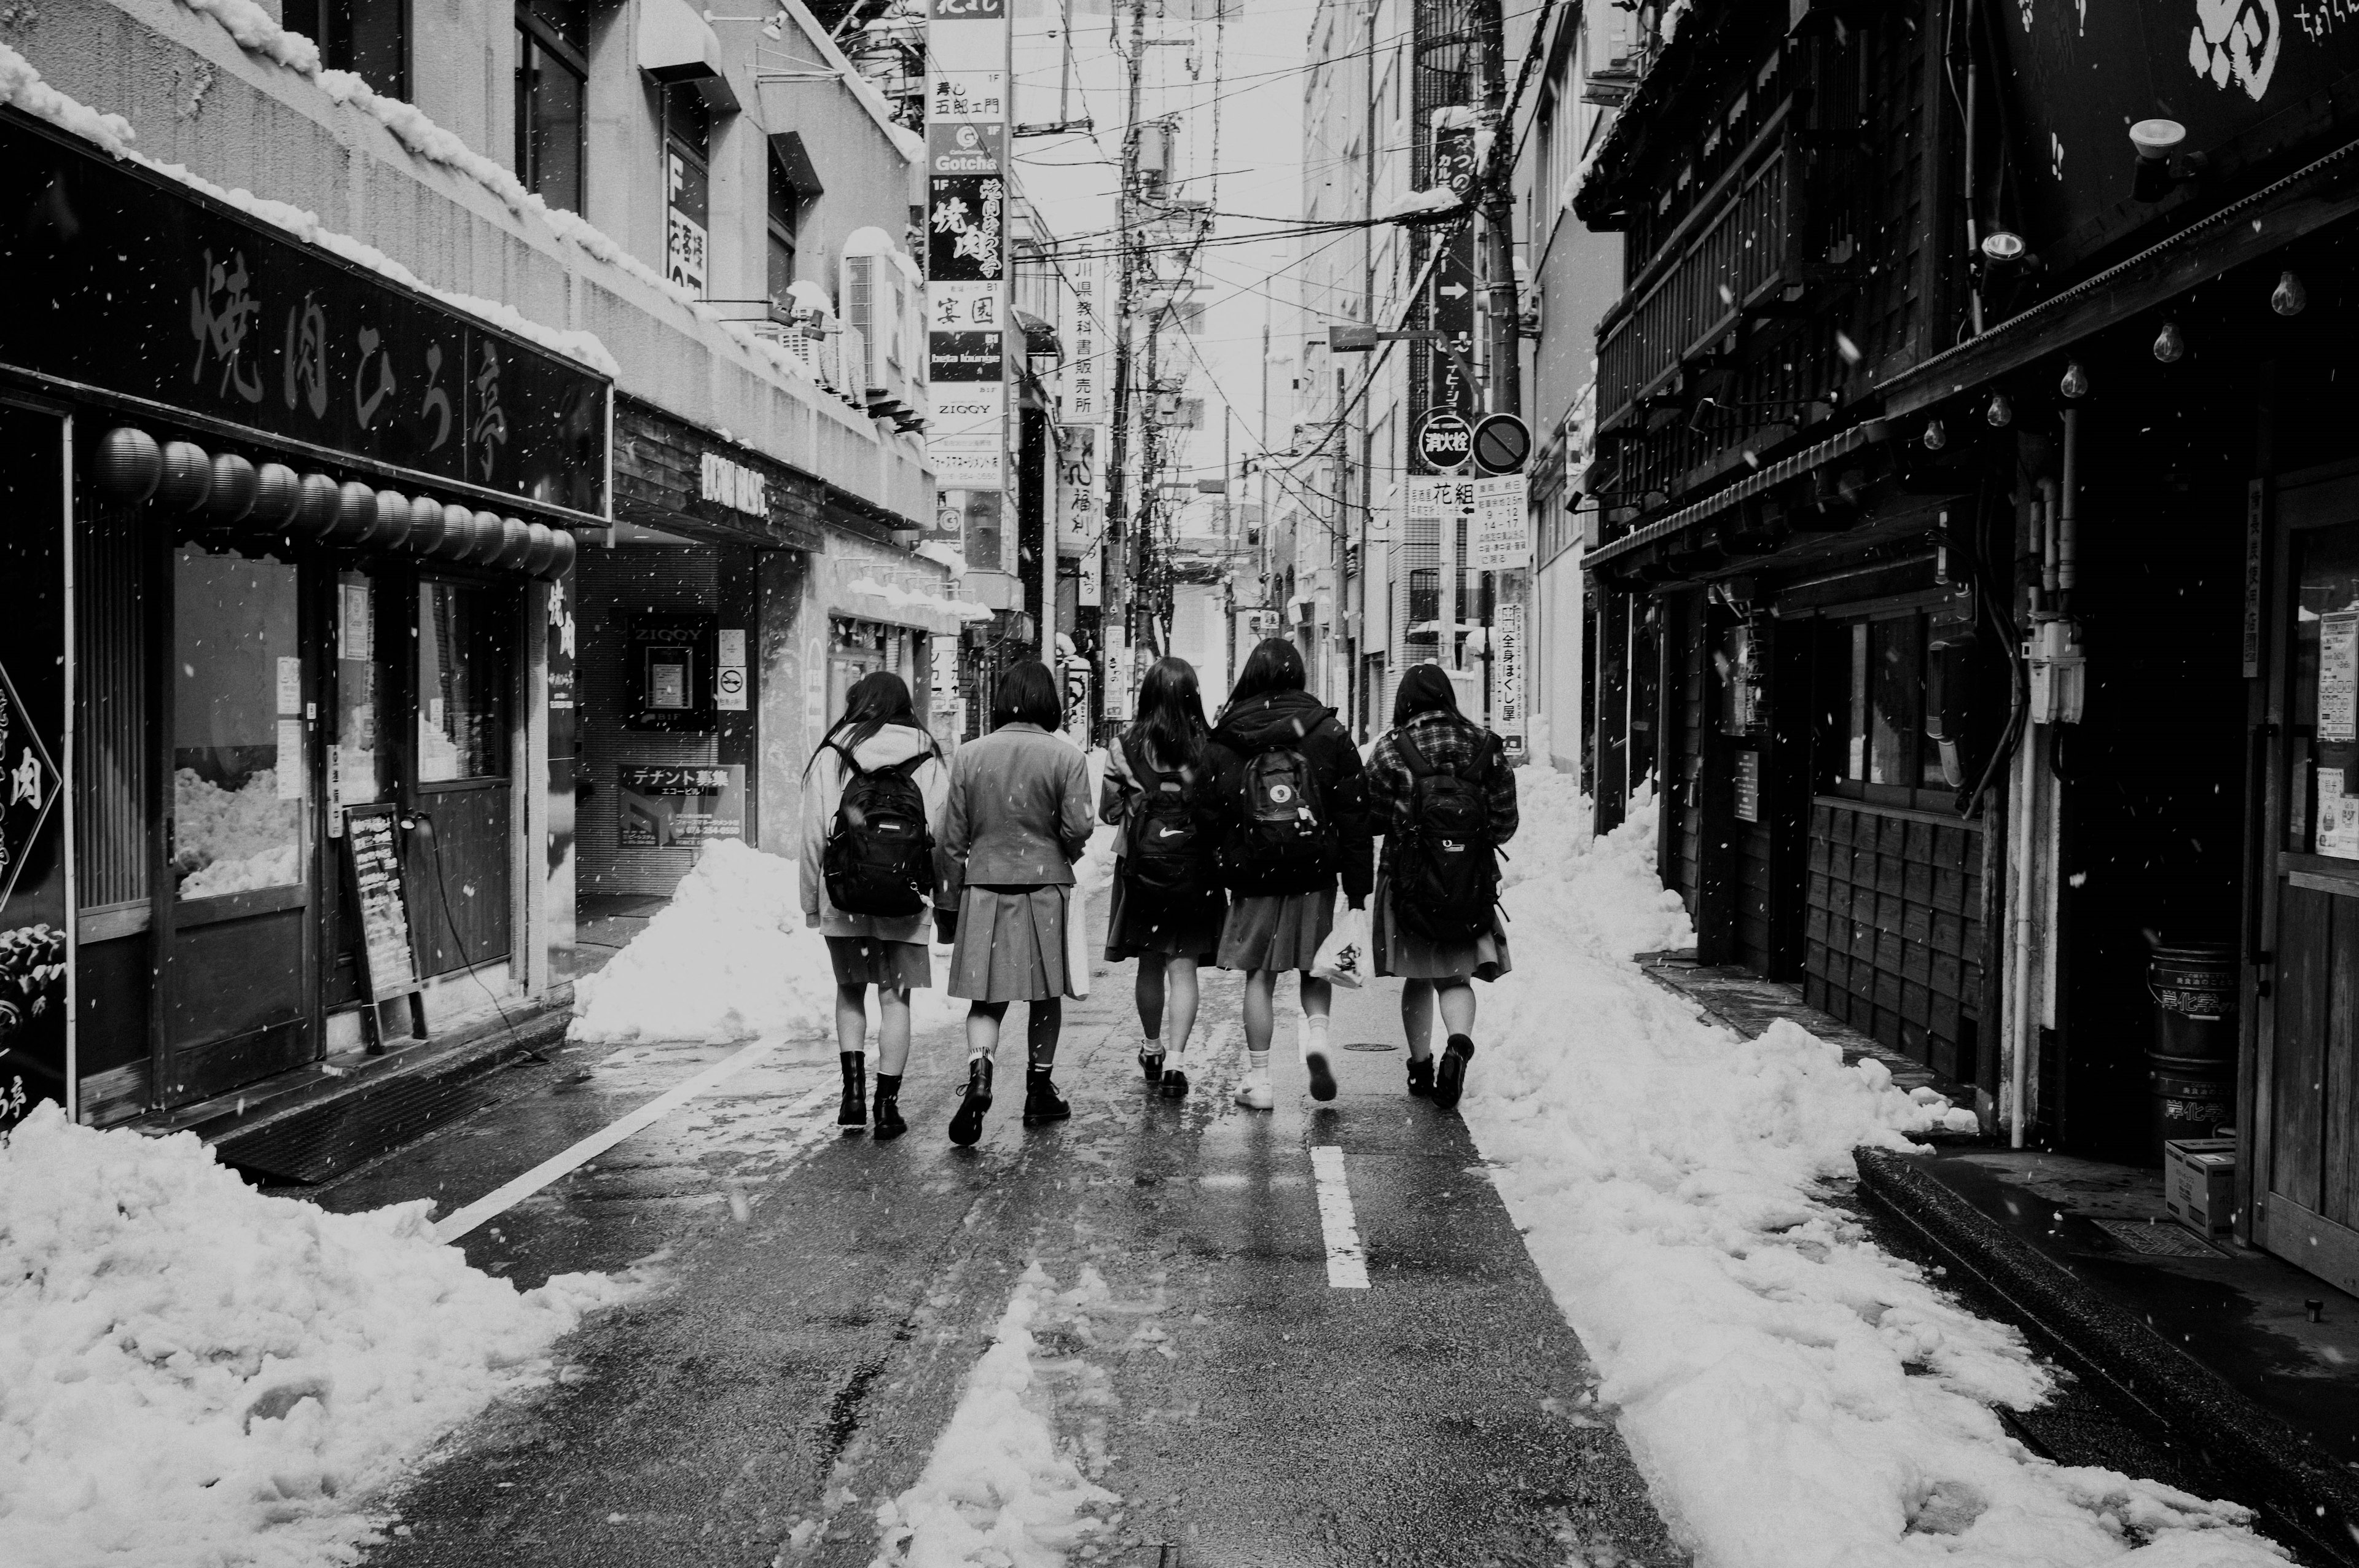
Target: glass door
column 237, row 877
column 461, row 793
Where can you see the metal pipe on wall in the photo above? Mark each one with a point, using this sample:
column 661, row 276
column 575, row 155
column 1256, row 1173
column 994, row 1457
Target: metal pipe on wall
column 2068, row 525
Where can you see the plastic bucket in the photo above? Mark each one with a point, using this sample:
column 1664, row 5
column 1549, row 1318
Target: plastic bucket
column 2194, row 990
column 2188, row 1097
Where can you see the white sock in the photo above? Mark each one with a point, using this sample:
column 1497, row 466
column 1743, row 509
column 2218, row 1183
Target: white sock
column 1257, row 1067
column 1153, row 1044
column 1313, row 1034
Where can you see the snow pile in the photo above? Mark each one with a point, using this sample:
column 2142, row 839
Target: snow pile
column 1796, row 1396
column 234, row 840
column 198, row 1373
column 995, row 1490
column 729, row 958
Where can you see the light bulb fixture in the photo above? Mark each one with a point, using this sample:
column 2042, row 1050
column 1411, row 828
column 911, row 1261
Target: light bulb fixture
column 2156, row 141
column 2001, row 413
column 1936, row 437
column 2075, row 384
column 2288, row 298
column 2001, row 248
column 2169, row 347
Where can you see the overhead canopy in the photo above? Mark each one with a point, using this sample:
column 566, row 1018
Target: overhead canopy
column 678, row 48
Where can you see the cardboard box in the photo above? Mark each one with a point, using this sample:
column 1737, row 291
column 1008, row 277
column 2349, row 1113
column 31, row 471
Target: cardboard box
column 2199, row 1183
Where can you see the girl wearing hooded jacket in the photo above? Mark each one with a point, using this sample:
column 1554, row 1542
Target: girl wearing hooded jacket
column 1270, row 929
column 878, row 729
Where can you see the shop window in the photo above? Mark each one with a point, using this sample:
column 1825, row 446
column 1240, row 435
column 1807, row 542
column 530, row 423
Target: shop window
column 237, row 726
column 1902, row 678
column 368, row 38
column 463, row 683
column 363, row 760
column 687, row 187
column 551, row 95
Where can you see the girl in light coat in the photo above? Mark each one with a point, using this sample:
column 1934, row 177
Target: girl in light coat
column 878, row 729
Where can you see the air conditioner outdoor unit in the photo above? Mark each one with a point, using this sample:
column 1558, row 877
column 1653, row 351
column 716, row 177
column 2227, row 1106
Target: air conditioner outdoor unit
column 876, row 300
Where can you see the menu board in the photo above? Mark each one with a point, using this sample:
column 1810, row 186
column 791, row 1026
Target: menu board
column 373, row 852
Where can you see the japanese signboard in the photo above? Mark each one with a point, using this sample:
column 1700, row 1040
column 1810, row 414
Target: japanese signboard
column 968, row 109
column 204, row 309
column 668, row 806
column 34, row 899
column 1080, row 464
column 1500, row 536
column 1507, row 679
column 1088, row 384
column 373, row 858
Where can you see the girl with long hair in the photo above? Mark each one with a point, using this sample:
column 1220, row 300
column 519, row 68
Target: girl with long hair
column 1167, row 904
column 1427, row 725
column 879, row 731
column 1291, row 826
column 1018, row 820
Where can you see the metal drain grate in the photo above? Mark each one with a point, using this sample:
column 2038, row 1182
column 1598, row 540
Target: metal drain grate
column 2161, row 1239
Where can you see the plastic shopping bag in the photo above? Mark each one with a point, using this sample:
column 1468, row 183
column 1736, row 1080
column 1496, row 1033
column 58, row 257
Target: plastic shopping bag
column 1077, row 942
column 1344, row 956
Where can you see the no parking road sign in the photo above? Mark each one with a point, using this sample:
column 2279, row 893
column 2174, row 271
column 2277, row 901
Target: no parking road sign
column 1502, row 443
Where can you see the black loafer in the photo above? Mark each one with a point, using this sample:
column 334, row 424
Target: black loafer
column 1322, row 1074
column 1151, row 1064
column 1174, row 1085
column 1450, row 1081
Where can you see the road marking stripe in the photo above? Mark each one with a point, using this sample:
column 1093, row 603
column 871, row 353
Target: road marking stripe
column 1347, row 1265
column 507, row 1196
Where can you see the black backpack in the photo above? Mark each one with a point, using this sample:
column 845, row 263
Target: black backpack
column 1282, row 840
column 1445, row 873
column 879, row 857
column 1164, row 857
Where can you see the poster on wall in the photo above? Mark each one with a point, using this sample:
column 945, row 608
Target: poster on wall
column 34, row 896
column 667, row 806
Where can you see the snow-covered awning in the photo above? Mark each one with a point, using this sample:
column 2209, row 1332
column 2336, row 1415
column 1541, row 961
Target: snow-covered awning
column 865, row 599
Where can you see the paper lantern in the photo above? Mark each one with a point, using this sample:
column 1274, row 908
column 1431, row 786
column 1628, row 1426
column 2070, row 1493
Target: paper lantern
column 276, row 493
column 315, row 507
column 393, row 522
column 188, row 477
column 426, row 526
column 540, row 544
column 130, row 463
column 515, row 538
column 231, row 496
column 355, row 513
column 560, row 560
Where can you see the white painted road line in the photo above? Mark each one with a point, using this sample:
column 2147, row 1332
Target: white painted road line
column 1347, row 1266
column 507, row 1196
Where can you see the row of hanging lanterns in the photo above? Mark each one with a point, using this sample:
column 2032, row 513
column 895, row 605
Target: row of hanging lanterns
column 225, row 489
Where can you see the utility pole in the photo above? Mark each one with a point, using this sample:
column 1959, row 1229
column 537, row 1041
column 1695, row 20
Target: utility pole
column 1498, row 206
column 1117, row 551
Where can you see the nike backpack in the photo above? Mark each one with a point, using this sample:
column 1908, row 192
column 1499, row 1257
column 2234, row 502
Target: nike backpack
column 1445, row 874
column 1283, row 841
column 879, row 857
column 1164, row 857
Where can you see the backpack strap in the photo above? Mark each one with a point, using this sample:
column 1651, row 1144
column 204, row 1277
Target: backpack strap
column 1406, row 743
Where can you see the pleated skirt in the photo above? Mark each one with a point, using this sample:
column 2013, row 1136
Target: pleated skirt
column 1277, row 931
column 1408, row 956
column 875, row 961
column 1141, row 923
column 1010, row 946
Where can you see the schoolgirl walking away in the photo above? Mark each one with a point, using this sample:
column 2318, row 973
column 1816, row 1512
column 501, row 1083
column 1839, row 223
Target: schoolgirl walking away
column 1168, row 904
column 1444, row 800
column 1018, row 817
column 866, row 875
column 1295, row 820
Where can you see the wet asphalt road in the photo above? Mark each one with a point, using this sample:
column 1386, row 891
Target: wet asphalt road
column 816, row 1301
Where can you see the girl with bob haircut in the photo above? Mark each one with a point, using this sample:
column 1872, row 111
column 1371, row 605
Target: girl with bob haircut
column 1282, row 907
column 1018, row 817
column 1425, row 710
column 1168, row 906
column 878, row 730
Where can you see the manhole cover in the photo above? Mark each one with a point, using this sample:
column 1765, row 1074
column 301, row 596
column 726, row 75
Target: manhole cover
column 1369, row 1046
column 2163, row 1239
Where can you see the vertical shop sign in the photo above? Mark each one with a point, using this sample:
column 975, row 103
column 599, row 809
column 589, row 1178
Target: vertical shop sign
column 1507, row 681
column 1080, row 463
column 564, row 772
column 968, row 83
column 34, row 896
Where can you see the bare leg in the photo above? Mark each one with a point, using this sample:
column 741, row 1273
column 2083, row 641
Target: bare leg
column 1318, row 997
column 1043, row 1023
column 1149, row 995
column 1177, row 979
column 892, row 1029
column 982, row 1027
column 851, row 1019
column 1416, row 1018
column 1457, row 1007
column 1260, row 1008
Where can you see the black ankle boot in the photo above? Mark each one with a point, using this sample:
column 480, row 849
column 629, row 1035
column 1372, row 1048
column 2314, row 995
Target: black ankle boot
column 889, row 1124
column 1450, row 1082
column 967, row 1125
column 1420, row 1076
column 1174, row 1085
column 1041, row 1101
column 855, row 1090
